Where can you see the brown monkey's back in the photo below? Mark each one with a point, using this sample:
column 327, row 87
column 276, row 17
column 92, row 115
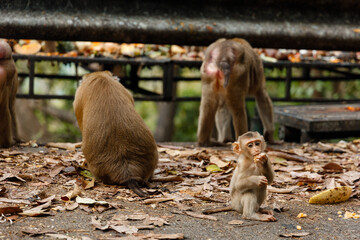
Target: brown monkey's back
column 117, row 144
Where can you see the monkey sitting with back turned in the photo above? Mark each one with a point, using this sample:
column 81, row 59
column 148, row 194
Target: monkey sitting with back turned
column 119, row 148
column 251, row 177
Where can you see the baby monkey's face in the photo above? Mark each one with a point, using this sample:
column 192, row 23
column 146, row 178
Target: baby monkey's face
column 254, row 147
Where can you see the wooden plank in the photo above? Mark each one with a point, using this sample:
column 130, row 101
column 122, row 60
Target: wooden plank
column 320, row 118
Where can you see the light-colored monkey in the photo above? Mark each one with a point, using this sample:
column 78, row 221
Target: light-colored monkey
column 231, row 71
column 118, row 147
column 251, row 177
column 8, row 87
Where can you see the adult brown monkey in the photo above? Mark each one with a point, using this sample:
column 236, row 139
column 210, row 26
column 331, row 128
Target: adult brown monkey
column 118, row 146
column 8, row 87
column 231, row 71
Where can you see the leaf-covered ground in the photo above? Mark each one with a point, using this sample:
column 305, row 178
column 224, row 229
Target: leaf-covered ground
column 44, row 193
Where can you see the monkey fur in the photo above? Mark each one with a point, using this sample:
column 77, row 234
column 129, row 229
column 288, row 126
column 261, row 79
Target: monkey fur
column 251, row 177
column 8, row 87
column 118, row 147
column 231, row 71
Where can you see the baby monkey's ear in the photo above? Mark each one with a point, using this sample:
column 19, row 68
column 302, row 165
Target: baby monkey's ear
column 236, row 147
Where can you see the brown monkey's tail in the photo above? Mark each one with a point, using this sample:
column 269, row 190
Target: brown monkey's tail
column 134, row 186
column 225, row 68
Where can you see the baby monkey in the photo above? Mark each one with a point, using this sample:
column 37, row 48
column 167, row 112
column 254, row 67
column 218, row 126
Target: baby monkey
column 251, row 177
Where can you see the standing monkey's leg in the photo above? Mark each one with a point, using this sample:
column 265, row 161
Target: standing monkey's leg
column 208, row 107
column 223, row 123
column 237, row 108
column 265, row 108
column 12, row 111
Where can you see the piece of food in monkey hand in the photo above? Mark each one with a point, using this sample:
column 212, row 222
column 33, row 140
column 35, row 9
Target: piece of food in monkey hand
column 258, row 157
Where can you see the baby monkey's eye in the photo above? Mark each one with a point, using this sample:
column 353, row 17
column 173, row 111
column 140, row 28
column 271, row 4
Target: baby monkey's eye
column 250, row 145
column 257, row 143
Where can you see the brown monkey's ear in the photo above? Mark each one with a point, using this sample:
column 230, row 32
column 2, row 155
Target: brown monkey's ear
column 236, row 147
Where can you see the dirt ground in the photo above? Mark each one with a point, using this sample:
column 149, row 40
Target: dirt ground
column 77, row 224
column 46, row 171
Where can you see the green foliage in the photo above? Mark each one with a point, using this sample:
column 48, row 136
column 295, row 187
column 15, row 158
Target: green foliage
column 186, row 121
column 62, row 131
column 148, row 111
column 187, row 113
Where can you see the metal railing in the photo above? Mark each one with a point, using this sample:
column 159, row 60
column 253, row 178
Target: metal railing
column 131, row 81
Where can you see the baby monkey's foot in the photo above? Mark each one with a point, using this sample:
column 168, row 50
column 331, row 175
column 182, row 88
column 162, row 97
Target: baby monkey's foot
column 266, row 211
column 262, row 217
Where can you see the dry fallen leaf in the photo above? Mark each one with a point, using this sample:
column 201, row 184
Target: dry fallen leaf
column 36, row 231
column 10, row 210
column 56, row 170
column 159, row 236
column 157, row 200
column 66, row 146
column 331, row 183
column 89, row 184
column 97, row 223
column 172, row 152
column 351, row 176
column 236, row 222
column 16, row 201
column 125, row 229
column 89, row 201
column 48, row 199
column 332, row 167
column 57, row 236
column 70, row 206
column 137, row 217
column 35, row 213
column 281, row 190
column 11, row 177
column 167, row 179
column 297, row 234
column 156, row 221
column 197, row 173
column 72, row 194
column 218, row 162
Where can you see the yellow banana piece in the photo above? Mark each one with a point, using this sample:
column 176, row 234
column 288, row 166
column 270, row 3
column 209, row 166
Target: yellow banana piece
column 334, row 195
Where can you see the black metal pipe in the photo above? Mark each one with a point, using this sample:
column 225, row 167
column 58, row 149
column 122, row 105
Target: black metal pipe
column 321, row 24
